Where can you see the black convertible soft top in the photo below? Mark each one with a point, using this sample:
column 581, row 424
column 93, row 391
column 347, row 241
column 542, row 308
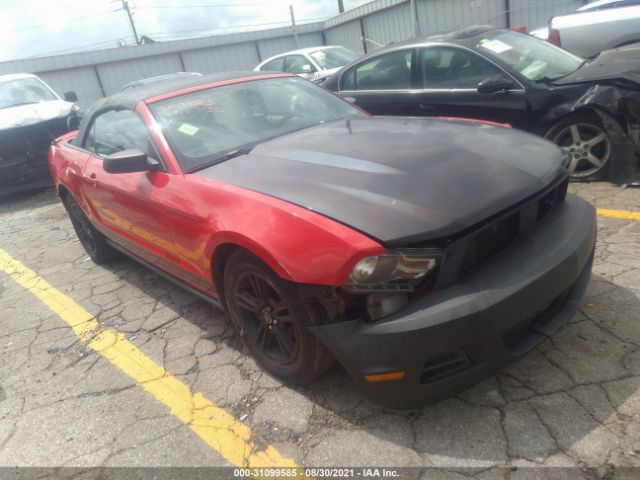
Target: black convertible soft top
column 129, row 98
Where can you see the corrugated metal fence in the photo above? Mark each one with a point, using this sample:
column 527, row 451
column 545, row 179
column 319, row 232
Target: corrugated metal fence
column 96, row 74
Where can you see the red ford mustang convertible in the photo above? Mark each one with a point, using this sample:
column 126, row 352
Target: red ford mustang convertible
column 421, row 254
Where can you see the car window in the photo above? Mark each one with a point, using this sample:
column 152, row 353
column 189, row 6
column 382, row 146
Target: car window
column 203, row 127
column 390, row 71
column 276, row 65
column 336, row 57
column 296, row 64
column 24, row 91
column 533, row 58
column 118, row 130
column 453, row 68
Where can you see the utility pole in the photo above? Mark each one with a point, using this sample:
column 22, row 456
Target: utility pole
column 340, row 6
column 293, row 24
column 125, row 6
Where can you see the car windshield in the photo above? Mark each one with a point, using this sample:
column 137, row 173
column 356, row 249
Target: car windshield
column 23, row 91
column 535, row 59
column 328, row 58
column 213, row 125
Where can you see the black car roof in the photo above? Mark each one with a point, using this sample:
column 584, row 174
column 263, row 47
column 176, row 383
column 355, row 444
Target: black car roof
column 160, row 78
column 129, row 98
column 465, row 36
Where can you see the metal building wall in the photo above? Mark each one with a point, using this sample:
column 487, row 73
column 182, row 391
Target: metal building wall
column 95, row 74
column 347, row 34
column 82, row 80
column 390, row 25
column 438, row 16
column 536, row 14
column 116, row 74
column 239, row 56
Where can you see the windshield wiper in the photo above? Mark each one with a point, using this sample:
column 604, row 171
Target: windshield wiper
column 227, row 156
column 553, row 78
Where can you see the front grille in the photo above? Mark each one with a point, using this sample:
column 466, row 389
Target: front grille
column 477, row 246
column 521, row 338
column 31, row 141
column 444, row 366
column 39, row 136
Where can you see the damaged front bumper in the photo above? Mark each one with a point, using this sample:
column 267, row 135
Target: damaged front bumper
column 459, row 335
column 23, row 155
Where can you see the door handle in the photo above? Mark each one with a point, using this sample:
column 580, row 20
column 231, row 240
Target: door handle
column 92, row 181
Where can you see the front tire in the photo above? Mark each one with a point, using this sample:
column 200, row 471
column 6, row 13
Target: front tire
column 93, row 242
column 584, row 137
column 272, row 319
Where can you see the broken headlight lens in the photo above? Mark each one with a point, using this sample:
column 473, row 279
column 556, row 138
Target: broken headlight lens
column 409, row 264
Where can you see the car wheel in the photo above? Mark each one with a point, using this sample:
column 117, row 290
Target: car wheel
column 586, row 140
column 272, row 319
column 93, row 241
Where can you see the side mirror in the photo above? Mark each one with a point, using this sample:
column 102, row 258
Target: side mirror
column 307, row 68
column 495, row 84
column 70, row 96
column 73, row 122
column 129, row 161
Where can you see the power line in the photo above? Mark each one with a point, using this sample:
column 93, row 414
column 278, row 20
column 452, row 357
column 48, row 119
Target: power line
column 30, row 27
column 154, row 7
column 213, row 30
column 162, row 35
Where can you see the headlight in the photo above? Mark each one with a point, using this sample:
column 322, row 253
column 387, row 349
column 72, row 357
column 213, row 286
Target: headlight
column 409, row 265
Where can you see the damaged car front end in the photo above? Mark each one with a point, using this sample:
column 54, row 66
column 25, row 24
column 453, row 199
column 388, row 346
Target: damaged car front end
column 31, row 117
column 612, row 82
column 479, row 267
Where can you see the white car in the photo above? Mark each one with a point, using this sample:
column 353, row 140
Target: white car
column 314, row 63
column 596, row 27
column 31, row 116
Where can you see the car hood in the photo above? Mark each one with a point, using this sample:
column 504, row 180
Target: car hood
column 618, row 64
column 25, row 115
column 398, row 180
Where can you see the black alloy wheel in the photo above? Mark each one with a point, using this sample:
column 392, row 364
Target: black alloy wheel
column 93, row 242
column 81, row 226
column 271, row 319
column 266, row 319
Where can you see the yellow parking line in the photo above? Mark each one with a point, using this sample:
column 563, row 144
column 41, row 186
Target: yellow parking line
column 619, row 214
column 217, row 428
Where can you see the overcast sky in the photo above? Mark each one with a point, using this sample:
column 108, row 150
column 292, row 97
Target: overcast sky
column 44, row 27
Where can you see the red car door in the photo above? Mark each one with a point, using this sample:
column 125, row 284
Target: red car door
column 128, row 206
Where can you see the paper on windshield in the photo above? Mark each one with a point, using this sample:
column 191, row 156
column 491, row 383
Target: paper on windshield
column 496, row 46
column 188, row 129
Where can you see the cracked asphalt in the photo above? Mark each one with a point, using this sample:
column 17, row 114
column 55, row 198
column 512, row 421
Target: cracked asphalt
column 572, row 402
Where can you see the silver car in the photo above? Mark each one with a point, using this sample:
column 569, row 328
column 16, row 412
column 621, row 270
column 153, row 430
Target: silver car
column 596, row 27
column 314, row 63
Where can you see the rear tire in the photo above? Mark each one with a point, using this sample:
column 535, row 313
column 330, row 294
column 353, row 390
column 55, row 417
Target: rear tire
column 272, row 319
column 584, row 137
column 93, row 242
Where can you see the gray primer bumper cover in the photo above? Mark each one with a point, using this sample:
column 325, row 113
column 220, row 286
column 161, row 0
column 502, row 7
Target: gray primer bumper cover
column 477, row 316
